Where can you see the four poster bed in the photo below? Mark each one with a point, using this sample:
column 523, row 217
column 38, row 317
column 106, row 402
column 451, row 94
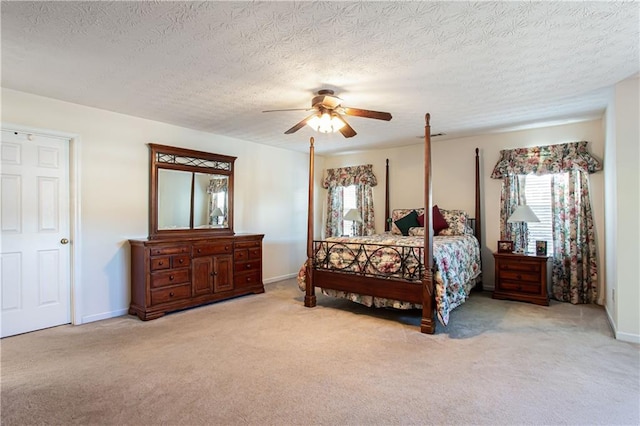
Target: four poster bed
column 388, row 270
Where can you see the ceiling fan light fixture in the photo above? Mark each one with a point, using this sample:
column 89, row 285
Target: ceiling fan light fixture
column 326, row 123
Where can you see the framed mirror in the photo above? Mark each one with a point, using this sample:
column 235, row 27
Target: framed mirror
column 191, row 193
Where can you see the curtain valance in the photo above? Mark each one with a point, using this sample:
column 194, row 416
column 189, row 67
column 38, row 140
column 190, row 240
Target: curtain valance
column 548, row 159
column 217, row 185
column 352, row 175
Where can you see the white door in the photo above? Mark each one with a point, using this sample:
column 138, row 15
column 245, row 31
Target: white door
column 35, row 264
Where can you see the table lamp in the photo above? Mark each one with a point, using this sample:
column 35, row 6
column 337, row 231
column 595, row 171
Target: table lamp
column 523, row 214
column 354, row 216
column 215, row 214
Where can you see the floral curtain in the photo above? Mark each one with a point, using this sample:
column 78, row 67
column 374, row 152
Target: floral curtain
column 335, row 209
column 362, row 176
column 510, row 197
column 216, row 186
column 575, row 270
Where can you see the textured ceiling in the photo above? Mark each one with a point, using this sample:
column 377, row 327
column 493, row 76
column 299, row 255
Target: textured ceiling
column 215, row 66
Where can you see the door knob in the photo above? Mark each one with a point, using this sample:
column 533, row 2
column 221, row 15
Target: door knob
column 64, row 241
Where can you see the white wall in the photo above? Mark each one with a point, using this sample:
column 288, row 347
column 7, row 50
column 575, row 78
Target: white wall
column 453, row 175
column 623, row 204
column 270, row 192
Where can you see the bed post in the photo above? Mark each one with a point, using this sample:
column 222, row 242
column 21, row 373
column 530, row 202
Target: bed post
column 310, row 294
column 387, row 214
column 428, row 324
column 478, row 214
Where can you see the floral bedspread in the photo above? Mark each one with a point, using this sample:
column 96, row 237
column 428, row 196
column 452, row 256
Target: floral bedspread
column 456, row 261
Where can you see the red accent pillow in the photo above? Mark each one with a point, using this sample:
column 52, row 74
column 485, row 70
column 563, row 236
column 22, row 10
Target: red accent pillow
column 421, row 220
column 438, row 220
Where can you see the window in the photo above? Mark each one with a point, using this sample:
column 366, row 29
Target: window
column 538, row 197
column 348, row 202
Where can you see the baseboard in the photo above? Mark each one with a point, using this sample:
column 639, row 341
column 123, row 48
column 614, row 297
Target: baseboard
column 280, row 278
column 120, row 312
column 104, row 315
column 619, row 335
column 627, row 337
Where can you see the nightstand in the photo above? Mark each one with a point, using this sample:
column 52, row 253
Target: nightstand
column 522, row 277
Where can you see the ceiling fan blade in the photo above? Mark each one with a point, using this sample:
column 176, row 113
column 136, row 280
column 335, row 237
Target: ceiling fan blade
column 367, row 113
column 291, row 109
column 299, row 126
column 347, row 131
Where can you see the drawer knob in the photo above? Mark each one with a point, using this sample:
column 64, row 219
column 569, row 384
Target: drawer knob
column 170, row 277
column 249, row 279
column 199, row 250
column 248, row 266
column 181, row 261
column 161, row 263
column 226, row 248
column 171, row 294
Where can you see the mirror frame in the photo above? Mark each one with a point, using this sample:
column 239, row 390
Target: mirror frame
column 174, row 158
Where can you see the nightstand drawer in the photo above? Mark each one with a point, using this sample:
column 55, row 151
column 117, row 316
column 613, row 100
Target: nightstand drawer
column 519, row 276
column 520, row 287
column 519, row 266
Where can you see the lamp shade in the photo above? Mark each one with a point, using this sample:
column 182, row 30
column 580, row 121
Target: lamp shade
column 216, row 212
column 353, row 215
column 523, row 214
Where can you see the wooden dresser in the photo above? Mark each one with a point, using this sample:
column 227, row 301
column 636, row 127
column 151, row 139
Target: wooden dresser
column 173, row 274
column 521, row 277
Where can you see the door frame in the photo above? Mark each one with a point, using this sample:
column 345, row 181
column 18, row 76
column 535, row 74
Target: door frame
column 74, row 210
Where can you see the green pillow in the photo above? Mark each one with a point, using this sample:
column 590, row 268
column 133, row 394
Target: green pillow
column 409, row 221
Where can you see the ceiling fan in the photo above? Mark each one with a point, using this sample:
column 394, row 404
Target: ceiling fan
column 328, row 115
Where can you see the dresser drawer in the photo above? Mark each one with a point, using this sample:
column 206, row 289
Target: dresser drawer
column 248, row 244
column 170, row 294
column 246, row 254
column 159, row 263
column 180, row 261
column 240, row 255
column 520, row 287
column 246, row 280
column 166, row 262
column 211, row 248
column 519, row 275
column 159, row 251
column 247, row 266
column 171, row 277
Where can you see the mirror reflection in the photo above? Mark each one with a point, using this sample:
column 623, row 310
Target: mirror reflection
column 218, row 190
column 210, row 196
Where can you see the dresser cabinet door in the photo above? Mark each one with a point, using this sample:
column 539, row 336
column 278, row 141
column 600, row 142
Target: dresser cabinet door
column 202, row 275
column 222, row 273
column 212, row 274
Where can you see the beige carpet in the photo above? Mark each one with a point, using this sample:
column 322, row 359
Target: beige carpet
column 266, row 359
